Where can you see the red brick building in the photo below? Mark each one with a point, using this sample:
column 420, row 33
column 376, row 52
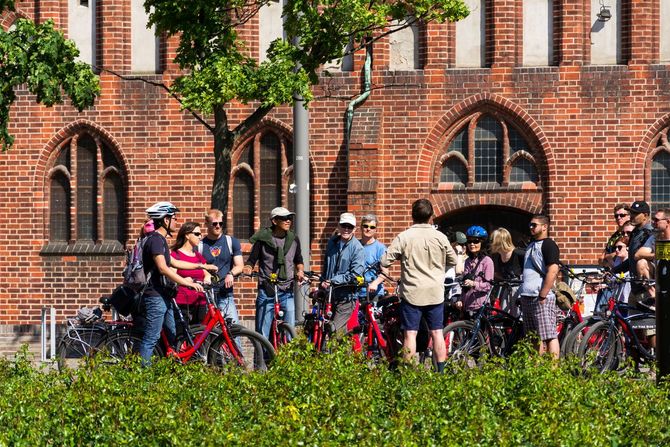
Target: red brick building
column 562, row 111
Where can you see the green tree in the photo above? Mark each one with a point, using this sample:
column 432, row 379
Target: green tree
column 41, row 58
column 219, row 69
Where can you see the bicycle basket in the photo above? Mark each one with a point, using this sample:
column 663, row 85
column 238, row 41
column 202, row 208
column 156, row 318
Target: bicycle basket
column 125, row 300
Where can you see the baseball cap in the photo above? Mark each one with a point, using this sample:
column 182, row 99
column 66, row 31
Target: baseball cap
column 640, row 206
column 348, row 218
column 460, row 238
column 280, row 211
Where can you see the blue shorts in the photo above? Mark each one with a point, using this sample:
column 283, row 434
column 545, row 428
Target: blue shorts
column 411, row 316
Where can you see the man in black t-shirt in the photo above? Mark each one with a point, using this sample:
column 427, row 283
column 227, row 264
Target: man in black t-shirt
column 538, row 302
column 157, row 298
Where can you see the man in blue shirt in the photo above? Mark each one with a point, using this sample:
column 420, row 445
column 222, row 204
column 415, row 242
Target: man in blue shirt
column 225, row 252
column 374, row 250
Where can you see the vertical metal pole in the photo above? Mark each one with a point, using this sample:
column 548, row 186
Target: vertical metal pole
column 52, row 354
column 301, row 172
column 663, row 308
column 43, row 335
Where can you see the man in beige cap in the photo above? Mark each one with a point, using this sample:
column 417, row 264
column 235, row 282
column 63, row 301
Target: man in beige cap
column 276, row 249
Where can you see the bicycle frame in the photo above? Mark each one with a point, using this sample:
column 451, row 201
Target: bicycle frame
column 212, row 319
column 277, row 314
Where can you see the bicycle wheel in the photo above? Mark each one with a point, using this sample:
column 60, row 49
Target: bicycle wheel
column 462, row 346
column 601, row 348
column 571, row 342
column 249, row 350
column 285, row 334
column 202, row 353
column 121, row 344
column 77, row 344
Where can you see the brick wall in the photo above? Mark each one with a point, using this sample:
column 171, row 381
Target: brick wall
column 593, row 125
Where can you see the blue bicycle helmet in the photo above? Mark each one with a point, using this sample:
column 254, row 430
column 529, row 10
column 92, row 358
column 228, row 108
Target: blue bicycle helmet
column 477, row 231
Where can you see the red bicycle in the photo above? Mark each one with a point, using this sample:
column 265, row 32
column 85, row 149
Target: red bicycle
column 281, row 332
column 215, row 342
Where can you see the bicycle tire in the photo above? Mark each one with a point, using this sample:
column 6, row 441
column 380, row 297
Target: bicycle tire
column 286, row 333
column 600, row 349
column 124, row 343
column 202, row 354
column 461, row 346
column 71, row 349
column 571, row 342
column 256, row 352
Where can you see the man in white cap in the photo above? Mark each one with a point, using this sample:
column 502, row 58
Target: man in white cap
column 344, row 262
column 276, row 249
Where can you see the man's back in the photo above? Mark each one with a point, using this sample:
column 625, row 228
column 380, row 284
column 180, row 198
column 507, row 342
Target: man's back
column 425, row 256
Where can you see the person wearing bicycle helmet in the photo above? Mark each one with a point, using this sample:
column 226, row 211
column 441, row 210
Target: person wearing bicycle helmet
column 477, row 271
column 158, row 294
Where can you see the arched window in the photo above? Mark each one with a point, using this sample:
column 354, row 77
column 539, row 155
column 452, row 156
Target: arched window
column 74, row 193
column 261, row 179
column 660, row 174
column 488, row 150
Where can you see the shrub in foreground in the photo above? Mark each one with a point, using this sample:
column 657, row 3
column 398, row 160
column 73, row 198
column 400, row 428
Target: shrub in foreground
column 336, row 399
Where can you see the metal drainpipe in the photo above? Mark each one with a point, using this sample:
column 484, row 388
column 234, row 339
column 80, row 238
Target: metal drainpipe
column 367, row 70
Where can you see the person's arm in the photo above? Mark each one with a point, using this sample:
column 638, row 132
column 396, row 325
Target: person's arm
column 486, row 267
column 645, row 253
column 238, row 267
column 548, row 283
column 392, row 254
column 253, row 258
column 452, row 257
column 165, row 270
column 185, row 265
column 298, row 261
column 551, row 256
column 356, row 267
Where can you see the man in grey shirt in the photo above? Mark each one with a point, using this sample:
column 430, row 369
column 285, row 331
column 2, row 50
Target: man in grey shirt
column 425, row 255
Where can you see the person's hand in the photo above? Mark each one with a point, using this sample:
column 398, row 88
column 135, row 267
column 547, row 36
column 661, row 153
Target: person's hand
column 372, row 288
column 247, row 270
column 325, row 284
column 458, row 305
column 208, row 280
column 469, row 283
column 197, row 287
column 300, row 276
column 228, row 280
column 211, row 268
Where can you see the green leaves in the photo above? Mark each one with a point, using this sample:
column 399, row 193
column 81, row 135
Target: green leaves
column 337, row 399
column 40, row 57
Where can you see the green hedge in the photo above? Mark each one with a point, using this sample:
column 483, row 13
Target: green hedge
column 337, row 399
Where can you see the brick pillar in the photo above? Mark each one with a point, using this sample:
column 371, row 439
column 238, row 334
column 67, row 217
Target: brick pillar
column 437, row 45
column 113, row 35
column 640, row 32
column 48, row 9
column 504, row 19
column 573, row 31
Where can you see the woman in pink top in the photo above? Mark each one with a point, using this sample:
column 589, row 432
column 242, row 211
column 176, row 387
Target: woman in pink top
column 184, row 249
column 478, row 269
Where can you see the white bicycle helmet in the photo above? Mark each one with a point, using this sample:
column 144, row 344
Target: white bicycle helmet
column 161, row 209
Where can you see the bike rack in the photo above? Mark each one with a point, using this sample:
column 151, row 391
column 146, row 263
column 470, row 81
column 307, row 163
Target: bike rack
column 51, row 311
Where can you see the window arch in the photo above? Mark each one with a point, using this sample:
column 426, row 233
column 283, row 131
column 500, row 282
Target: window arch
column 488, row 150
column 261, row 179
column 660, row 173
column 87, row 194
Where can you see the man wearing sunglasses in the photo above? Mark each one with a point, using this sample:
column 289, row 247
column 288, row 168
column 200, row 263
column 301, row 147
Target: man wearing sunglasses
column 621, row 217
column 277, row 250
column 374, row 250
column 641, row 254
column 344, row 262
column 538, row 301
column 225, row 252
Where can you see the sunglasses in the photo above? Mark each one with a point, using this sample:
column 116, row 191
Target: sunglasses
column 347, row 226
column 474, row 241
column 620, row 247
column 284, row 218
column 620, row 216
column 653, row 219
column 372, row 227
column 532, row 225
column 627, row 233
column 216, row 224
column 196, row 233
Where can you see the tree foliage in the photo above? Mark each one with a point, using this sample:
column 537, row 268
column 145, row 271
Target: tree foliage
column 41, row 58
column 219, row 68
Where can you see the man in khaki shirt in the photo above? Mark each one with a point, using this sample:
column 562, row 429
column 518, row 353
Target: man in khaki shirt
column 425, row 255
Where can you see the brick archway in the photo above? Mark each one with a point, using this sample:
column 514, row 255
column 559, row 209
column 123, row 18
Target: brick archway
column 531, row 200
column 648, row 149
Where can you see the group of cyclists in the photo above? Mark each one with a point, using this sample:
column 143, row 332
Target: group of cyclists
column 460, row 268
